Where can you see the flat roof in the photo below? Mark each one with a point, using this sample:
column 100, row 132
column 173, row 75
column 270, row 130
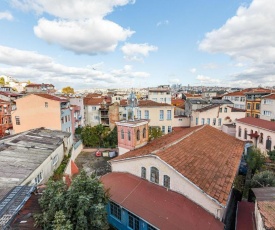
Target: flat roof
column 22, row 153
column 157, row 205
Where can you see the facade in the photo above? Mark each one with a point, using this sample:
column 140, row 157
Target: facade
column 208, row 95
column 160, row 94
column 39, row 88
column 5, row 118
column 78, row 101
column 76, row 117
column 217, row 115
column 238, row 99
column 169, row 163
column 260, row 132
column 268, row 107
column 41, row 110
column 92, row 112
column 194, row 104
column 264, row 208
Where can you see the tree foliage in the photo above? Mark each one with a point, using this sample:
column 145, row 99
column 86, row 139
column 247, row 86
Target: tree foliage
column 272, row 155
column 68, row 90
column 263, row 179
column 2, row 81
column 255, row 159
column 81, row 206
column 99, row 136
column 154, row 132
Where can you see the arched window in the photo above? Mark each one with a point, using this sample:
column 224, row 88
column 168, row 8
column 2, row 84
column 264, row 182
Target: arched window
column 138, row 135
column 144, row 133
column 129, row 135
column 240, row 131
column 122, row 134
column 166, row 181
column 143, row 172
column 268, row 143
column 251, row 132
column 261, row 138
column 154, row 175
column 245, row 133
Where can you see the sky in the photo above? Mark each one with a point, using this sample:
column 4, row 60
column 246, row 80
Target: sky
column 89, row 44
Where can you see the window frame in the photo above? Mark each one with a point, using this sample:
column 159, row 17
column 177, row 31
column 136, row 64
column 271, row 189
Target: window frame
column 161, row 115
column 154, row 175
column 115, row 210
column 166, row 181
column 143, row 172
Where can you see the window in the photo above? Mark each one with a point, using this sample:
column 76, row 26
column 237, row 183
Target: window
column 258, row 106
column 96, row 117
column 46, row 104
column 144, row 133
column 133, row 221
column 268, row 143
column 240, row 131
column 251, row 132
column 93, row 108
column 202, row 121
column 169, row 129
column 161, row 115
column 55, row 160
column 115, row 210
column 261, row 140
column 66, row 119
column 62, row 120
column 237, row 98
column 122, row 134
column 245, row 133
column 154, row 175
column 17, row 120
column 166, row 181
column 267, row 113
column 146, row 114
column 139, row 114
column 225, row 110
column 69, row 118
column 219, row 122
column 208, row 121
column 266, row 101
column 169, row 117
column 129, row 135
column 38, row 178
column 242, row 98
column 163, row 129
column 143, row 172
column 138, row 135
column 214, row 121
column 248, row 106
column 220, row 110
column 197, row 121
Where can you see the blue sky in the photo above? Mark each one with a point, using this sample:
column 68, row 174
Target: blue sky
column 138, row 43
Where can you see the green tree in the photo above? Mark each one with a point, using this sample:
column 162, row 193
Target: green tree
column 154, row 132
column 2, row 81
column 94, row 136
column 81, row 206
column 68, row 90
column 110, row 141
column 255, row 159
column 263, row 179
column 272, row 155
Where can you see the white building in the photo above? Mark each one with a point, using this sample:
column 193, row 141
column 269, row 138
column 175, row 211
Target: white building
column 161, row 94
column 268, row 107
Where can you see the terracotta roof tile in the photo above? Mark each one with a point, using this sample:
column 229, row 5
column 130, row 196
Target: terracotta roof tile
column 269, row 125
column 267, row 210
column 158, row 206
column 93, row 101
column 51, row 97
column 215, row 156
column 35, row 85
column 270, row 96
column 149, row 103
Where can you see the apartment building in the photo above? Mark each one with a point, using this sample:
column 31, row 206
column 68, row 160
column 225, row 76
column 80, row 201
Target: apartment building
column 268, row 107
column 5, row 118
column 160, row 94
column 42, row 110
column 39, row 88
column 79, row 101
column 237, row 98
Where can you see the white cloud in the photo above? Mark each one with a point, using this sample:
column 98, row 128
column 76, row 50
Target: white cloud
column 136, row 52
column 207, row 80
column 6, row 15
column 78, row 26
column 161, row 23
column 193, row 70
column 33, row 65
column 248, row 37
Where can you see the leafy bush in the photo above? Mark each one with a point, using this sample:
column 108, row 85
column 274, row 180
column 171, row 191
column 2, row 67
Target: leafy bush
column 263, row 179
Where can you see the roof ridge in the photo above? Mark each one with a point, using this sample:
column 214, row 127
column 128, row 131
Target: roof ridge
column 178, row 140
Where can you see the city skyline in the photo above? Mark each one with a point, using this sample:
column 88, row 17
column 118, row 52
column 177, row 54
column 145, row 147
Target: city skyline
column 127, row 43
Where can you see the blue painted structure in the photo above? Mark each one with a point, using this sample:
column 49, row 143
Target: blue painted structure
column 66, row 125
column 123, row 224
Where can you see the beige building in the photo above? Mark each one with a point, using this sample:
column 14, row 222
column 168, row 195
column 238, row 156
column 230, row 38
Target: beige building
column 260, row 132
column 41, row 110
column 160, row 94
column 268, row 107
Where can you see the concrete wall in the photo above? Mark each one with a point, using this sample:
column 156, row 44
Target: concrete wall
column 33, row 114
column 267, row 109
column 92, row 115
column 177, row 182
column 67, row 125
column 181, row 121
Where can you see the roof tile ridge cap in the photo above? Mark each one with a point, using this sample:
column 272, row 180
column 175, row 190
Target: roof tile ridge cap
column 177, row 141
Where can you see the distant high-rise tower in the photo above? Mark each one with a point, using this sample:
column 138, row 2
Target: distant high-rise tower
column 132, row 133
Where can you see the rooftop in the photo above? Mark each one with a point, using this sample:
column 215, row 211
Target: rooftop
column 211, row 166
column 257, row 122
column 245, row 212
column 160, row 207
column 149, row 103
column 270, row 96
column 22, row 153
column 51, row 97
column 93, row 101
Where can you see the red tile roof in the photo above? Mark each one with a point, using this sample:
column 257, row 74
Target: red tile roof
column 123, row 102
column 35, row 85
column 51, row 97
column 204, row 155
column 158, row 206
column 178, row 102
column 270, row 96
column 93, row 101
column 149, row 103
column 267, row 210
column 244, row 220
column 189, row 95
column 257, row 122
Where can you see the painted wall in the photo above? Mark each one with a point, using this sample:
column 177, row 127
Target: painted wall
column 33, row 114
column 181, row 121
column 267, row 109
column 238, row 101
column 67, row 122
column 79, row 102
column 177, row 182
column 161, row 97
column 92, row 115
